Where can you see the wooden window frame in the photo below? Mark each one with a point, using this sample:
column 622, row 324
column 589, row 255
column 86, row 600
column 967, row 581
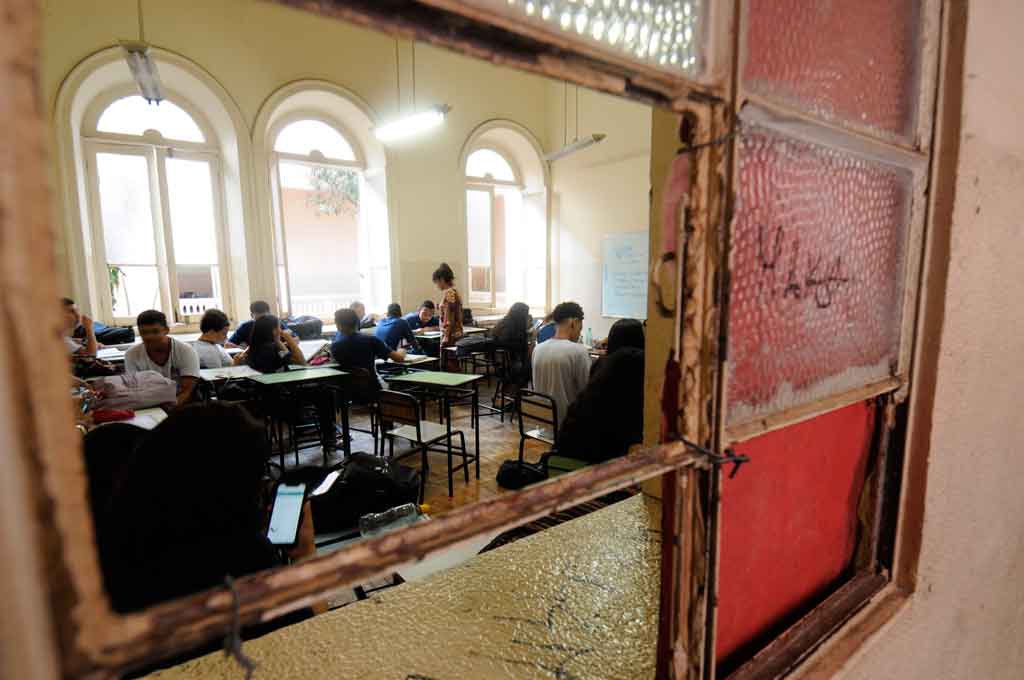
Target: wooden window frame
column 50, row 477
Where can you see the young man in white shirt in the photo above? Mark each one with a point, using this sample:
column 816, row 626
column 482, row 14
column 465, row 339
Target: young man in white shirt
column 561, row 366
column 160, row 352
column 72, row 320
column 210, row 345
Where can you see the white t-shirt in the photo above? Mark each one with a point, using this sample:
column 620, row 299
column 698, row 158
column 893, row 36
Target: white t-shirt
column 211, row 355
column 72, row 344
column 561, row 369
column 181, row 362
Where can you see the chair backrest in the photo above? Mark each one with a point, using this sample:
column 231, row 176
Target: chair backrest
column 536, row 407
column 361, row 386
column 399, row 407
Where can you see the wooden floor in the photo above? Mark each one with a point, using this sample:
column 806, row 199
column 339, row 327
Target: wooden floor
column 498, row 442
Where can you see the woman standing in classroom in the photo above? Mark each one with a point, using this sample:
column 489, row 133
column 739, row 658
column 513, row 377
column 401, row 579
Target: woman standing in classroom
column 451, row 310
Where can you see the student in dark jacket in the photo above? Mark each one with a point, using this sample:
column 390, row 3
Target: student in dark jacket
column 608, row 415
column 512, row 334
column 394, row 329
column 424, row 317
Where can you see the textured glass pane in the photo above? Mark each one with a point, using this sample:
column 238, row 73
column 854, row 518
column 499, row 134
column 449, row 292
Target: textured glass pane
column 193, row 224
column 789, row 525
column 126, row 210
column 818, row 261
column 856, row 62
column 665, row 33
column 134, row 115
column 138, row 289
column 485, row 163
column 304, row 136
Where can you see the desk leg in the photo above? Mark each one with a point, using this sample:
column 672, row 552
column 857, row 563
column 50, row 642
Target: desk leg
column 474, row 420
column 346, row 438
column 448, row 419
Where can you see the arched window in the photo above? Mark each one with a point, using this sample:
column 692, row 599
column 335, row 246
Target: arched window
column 332, row 240
column 157, row 213
column 506, row 221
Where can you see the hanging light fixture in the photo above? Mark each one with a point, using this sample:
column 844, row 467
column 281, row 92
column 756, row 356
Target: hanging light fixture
column 577, row 143
column 416, row 123
column 142, row 66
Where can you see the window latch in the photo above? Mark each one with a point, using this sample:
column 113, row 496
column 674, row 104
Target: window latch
column 728, row 457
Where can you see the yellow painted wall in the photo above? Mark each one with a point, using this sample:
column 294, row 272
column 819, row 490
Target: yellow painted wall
column 253, row 48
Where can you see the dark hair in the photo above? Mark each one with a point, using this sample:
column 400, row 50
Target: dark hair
column 263, row 331
column 513, row 327
column 67, row 302
column 394, row 310
column 567, row 310
column 214, row 320
column 151, row 317
column 429, row 304
column 626, row 333
column 443, row 273
column 160, row 528
column 259, row 307
column 346, row 320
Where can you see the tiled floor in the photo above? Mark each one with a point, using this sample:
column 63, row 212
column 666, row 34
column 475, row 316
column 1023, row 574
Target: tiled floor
column 498, row 442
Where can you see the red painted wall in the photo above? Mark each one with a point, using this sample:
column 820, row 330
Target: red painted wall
column 789, row 522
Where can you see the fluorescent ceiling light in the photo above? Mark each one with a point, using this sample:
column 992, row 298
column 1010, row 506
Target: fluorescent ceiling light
column 578, row 145
column 143, row 70
column 412, row 125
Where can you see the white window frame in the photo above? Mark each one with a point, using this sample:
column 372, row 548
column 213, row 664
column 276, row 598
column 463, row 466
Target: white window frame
column 314, row 157
column 489, row 184
column 156, row 149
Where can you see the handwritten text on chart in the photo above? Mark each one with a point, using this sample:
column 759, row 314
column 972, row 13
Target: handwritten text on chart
column 821, row 278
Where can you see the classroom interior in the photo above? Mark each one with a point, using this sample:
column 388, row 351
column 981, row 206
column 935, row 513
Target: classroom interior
column 262, row 176
column 350, row 226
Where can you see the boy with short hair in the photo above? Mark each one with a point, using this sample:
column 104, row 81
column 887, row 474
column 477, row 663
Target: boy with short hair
column 424, row 317
column 171, row 358
column 72, row 320
column 394, row 329
column 352, row 349
column 561, row 366
column 365, row 320
column 210, row 345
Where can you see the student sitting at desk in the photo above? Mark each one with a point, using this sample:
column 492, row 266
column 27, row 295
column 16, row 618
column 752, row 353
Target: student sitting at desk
column 394, row 329
column 270, row 348
column 512, row 334
column 424, row 318
column 210, row 345
column 160, row 352
column 72, row 320
column 561, row 366
column 355, row 350
column 258, row 310
column 547, row 329
column 365, row 320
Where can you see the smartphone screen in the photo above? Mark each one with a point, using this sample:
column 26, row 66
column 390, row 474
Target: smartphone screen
column 284, row 518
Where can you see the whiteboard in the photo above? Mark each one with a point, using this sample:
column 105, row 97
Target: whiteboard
column 624, row 260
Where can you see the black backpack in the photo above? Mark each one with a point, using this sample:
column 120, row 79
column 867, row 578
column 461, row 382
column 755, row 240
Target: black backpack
column 306, row 327
column 366, row 484
column 515, row 474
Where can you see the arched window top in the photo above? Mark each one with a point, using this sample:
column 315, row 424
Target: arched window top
column 133, row 115
column 491, row 165
column 303, row 137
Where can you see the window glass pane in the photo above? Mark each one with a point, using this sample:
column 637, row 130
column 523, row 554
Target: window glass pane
column 818, row 267
column 478, row 222
column 485, row 163
column 320, row 205
column 125, row 208
column 134, row 115
column 804, row 497
column 304, row 136
column 135, row 289
column 855, row 62
column 193, row 222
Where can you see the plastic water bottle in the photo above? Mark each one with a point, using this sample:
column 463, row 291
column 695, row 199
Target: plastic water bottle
column 590, row 338
column 382, row 522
